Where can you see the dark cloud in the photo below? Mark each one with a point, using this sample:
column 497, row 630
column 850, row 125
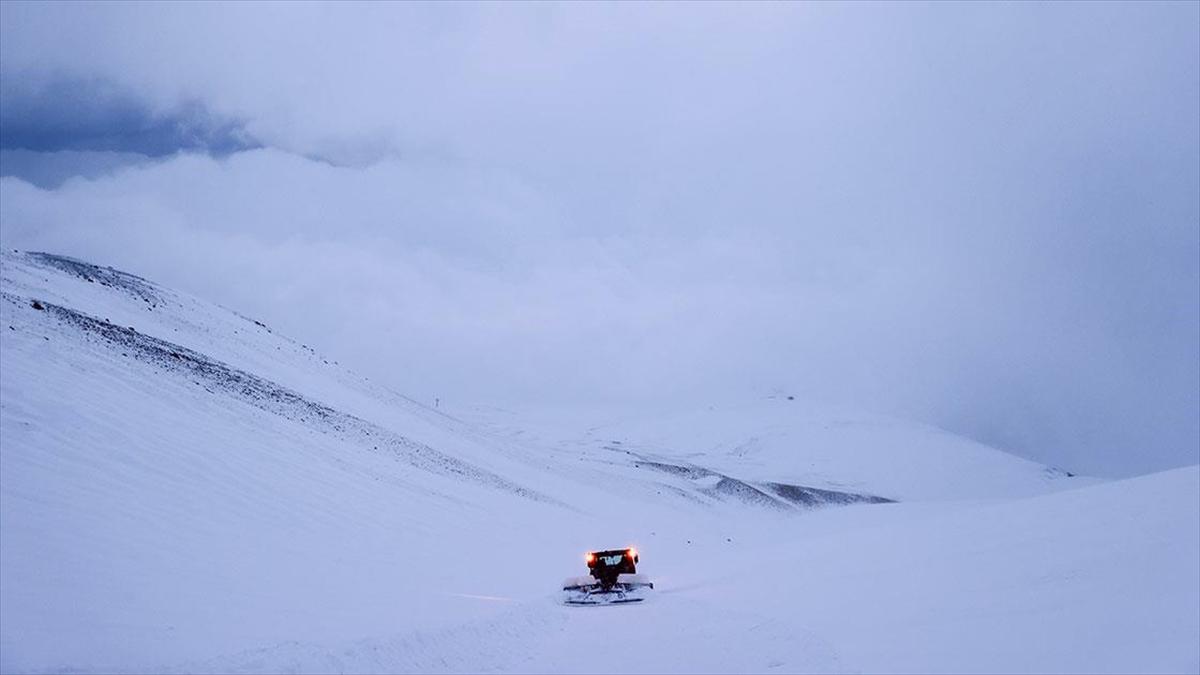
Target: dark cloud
column 65, row 113
column 49, row 170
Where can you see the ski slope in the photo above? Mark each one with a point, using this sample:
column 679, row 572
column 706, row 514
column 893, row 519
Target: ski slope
column 184, row 490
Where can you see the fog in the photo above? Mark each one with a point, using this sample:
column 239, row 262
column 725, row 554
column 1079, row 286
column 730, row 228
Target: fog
column 986, row 217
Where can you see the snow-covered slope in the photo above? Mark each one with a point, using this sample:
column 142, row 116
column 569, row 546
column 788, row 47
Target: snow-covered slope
column 183, row 489
column 1096, row 580
column 778, row 439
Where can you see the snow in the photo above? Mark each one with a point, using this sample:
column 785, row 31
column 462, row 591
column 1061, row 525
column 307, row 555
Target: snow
column 778, row 439
column 249, row 506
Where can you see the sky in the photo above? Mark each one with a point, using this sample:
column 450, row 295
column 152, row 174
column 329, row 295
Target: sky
column 981, row 216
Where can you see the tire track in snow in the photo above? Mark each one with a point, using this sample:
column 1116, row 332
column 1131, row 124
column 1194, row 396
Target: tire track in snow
column 504, row 642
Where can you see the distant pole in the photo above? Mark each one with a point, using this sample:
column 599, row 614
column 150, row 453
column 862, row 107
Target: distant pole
column 436, row 401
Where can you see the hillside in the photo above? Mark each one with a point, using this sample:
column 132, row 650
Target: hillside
column 181, row 488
